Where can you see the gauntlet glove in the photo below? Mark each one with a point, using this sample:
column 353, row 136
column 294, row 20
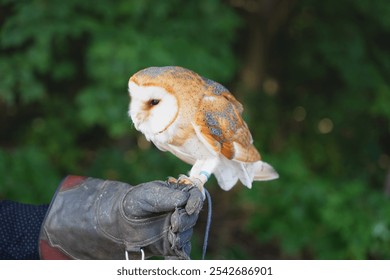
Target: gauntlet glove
column 99, row 219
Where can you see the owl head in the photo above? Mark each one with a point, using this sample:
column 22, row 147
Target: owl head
column 156, row 95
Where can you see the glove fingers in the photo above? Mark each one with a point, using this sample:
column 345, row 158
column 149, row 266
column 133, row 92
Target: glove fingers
column 181, row 243
column 181, row 221
column 154, row 197
column 187, row 248
column 195, row 202
column 183, row 238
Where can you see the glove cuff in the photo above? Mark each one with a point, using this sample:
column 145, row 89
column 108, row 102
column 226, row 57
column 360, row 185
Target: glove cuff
column 75, row 225
column 48, row 251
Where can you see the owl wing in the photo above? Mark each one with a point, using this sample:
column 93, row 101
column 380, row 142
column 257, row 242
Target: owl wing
column 219, row 125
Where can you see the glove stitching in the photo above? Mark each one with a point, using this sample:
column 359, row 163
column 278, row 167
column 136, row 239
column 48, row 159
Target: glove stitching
column 142, row 221
column 136, row 221
column 57, row 245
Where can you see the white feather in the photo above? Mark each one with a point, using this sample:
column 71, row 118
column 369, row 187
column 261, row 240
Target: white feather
column 156, row 119
column 226, row 174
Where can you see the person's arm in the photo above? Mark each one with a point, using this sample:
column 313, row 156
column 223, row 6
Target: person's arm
column 19, row 230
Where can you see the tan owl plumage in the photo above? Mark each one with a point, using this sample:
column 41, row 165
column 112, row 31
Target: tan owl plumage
column 200, row 122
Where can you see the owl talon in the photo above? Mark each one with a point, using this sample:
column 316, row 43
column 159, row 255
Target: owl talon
column 185, row 180
column 171, row 180
column 192, row 182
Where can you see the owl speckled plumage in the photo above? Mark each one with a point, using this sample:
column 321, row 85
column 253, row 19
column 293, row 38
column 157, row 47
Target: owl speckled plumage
column 200, row 122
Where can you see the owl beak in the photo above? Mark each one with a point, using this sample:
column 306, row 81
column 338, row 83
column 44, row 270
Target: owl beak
column 135, row 119
column 137, row 123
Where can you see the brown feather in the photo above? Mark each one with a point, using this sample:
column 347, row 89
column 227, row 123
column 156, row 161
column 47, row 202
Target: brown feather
column 221, row 125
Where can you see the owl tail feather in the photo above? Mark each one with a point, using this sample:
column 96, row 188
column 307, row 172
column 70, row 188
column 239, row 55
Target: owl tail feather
column 264, row 172
column 257, row 171
column 229, row 172
column 226, row 174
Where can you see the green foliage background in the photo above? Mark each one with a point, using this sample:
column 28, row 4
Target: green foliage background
column 318, row 105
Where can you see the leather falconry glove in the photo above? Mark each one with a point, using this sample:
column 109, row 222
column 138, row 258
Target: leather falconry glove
column 98, row 219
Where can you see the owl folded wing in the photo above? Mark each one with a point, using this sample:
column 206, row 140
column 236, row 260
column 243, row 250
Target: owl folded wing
column 219, row 125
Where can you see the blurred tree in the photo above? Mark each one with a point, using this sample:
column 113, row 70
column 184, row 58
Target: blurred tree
column 324, row 89
column 63, row 92
column 313, row 78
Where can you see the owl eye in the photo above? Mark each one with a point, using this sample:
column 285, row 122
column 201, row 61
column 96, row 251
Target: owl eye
column 154, row 102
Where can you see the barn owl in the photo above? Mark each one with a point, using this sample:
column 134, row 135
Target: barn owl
column 199, row 121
